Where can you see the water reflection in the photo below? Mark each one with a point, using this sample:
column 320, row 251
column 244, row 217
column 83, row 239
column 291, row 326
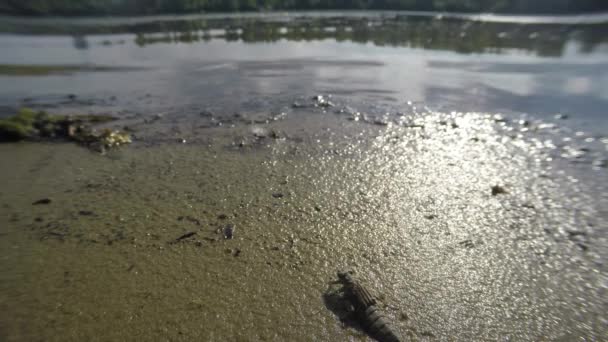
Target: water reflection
column 533, row 88
column 462, row 36
column 267, row 63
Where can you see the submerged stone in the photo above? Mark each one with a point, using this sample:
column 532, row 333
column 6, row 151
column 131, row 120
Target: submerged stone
column 322, row 101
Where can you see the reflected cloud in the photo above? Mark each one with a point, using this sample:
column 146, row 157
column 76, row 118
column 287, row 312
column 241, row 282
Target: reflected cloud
column 528, row 88
column 480, row 96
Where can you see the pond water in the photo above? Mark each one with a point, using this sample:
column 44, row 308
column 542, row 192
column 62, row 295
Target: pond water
column 541, row 69
column 456, row 163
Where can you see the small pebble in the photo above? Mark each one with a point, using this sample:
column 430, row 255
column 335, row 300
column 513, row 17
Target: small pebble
column 497, row 190
column 42, row 201
column 229, row 231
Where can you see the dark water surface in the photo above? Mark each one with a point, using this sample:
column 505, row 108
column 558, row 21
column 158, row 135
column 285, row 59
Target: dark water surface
column 391, row 169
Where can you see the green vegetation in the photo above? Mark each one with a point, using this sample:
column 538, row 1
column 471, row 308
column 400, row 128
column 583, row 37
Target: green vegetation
column 20, row 126
column 136, row 7
column 28, row 124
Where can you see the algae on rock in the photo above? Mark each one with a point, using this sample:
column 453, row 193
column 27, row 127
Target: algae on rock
column 28, row 124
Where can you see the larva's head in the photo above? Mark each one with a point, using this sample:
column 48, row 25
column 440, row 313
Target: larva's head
column 345, row 276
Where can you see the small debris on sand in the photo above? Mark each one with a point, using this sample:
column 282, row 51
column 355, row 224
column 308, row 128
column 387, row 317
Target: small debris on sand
column 42, row 201
column 229, row 231
column 182, row 237
column 497, row 190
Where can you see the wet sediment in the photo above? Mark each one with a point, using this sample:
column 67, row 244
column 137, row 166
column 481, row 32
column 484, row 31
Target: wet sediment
column 468, row 225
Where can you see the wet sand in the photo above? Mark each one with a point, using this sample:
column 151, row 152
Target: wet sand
column 410, row 209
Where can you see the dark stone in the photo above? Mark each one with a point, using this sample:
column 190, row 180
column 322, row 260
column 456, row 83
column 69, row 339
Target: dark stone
column 277, row 195
column 86, row 213
column 497, row 190
column 42, row 201
column 229, row 231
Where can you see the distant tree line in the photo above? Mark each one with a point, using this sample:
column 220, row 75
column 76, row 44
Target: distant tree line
column 137, row 7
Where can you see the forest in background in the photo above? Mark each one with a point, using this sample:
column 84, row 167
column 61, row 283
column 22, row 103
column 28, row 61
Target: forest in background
column 146, row 7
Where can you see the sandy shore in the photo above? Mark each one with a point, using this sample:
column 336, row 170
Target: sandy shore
column 410, row 208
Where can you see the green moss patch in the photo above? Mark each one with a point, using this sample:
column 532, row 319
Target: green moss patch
column 28, row 124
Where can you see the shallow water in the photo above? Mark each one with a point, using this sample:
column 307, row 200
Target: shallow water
column 394, row 181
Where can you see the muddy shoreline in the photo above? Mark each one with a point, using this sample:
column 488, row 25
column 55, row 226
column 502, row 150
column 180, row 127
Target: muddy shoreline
column 134, row 238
